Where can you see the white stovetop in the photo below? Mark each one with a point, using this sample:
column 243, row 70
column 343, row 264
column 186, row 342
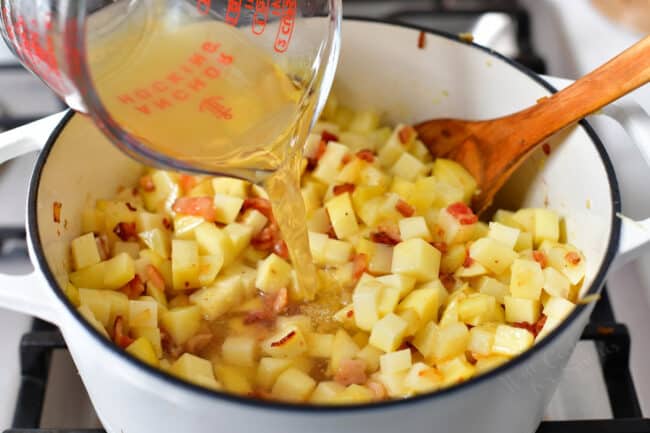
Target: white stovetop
column 573, row 39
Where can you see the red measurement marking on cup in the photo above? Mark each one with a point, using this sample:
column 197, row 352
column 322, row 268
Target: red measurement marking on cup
column 215, row 106
column 287, row 23
column 260, row 16
column 232, row 12
column 203, row 6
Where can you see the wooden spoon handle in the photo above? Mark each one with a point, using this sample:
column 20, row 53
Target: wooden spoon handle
column 619, row 76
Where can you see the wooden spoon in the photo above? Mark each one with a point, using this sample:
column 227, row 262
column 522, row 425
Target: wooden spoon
column 492, row 149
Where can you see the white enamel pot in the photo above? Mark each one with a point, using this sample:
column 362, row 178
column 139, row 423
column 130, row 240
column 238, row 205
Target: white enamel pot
column 382, row 67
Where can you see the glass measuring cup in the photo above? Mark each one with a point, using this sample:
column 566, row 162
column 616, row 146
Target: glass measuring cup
column 214, row 86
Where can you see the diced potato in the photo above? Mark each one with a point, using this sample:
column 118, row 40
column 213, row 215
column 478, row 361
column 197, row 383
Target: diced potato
column 227, row 208
column 408, row 167
column 164, row 193
column 216, row 300
column 84, row 251
column 568, row 260
column 337, row 252
column 194, row 369
column 452, row 230
column 92, row 221
column 345, row 316
column 185, row 264
column 351, row 171
column 521, row 310
column 422, row 378
column 491, row 362
column 118, row 271
column 393, row 148
column 370, row 355
column 318, row 246
column 416, row 258
column 477, row 309
column 549, row 325
column 214, row 241
column 381, row 260
column 526, row 279
column 286, row 343
column 87, row 314
column 453, row 259
column 492, row 287
column 209, row 267
column 424, row 301
column 97, row 302
column 555, row 283
column 240, row 235
column 511, row 341
column 395, row 362
column 456, row 370
column 302, row 322
column 424, row 194
column 143, row 313
column 269, row 369
column 388, row 300
column 72, row 293
column 412, row 320
column 142, row 349
column 343, row 348
column 402, row 188
column 320, row 345
column 329, row 164
column 157, row 240
column 326, row 392
column 474, row 270
column 524, row 242
column 388, row 333
column 504, row 234
column 185, row 225
column 273, row 274
column 481, row 339
column 255, row 220
column 403, row 283
column 293, row 385
column 146, row 221
column 91, row 277
column 558, row 308
column 130, row 248
column 421, row 151
column 230, row 186
column 364, row 121
column 492, row 254
column 414, row 227
column 365, row 301
column 355, row 394
column 526, row 219
column 152, row 334
column 235, row 379
column 240, row 351
column 181, row 323
column 506, row 218
column 451, row 341
column 342, row 216
column 547, row 226
column 452, row 173
column 395, row 384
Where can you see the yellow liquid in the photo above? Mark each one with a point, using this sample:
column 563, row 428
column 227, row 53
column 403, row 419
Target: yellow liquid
column 201, row 92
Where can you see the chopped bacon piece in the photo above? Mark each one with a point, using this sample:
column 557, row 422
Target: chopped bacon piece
column 282, row 341
column 346, row 158
column 572, row 257
column 280, row 248
column 268, row 239
column 264, row 316
column 261, row 205
column 469, row 261
column 386, row 235
column 146, row 183
column 351, row 371
column 462, row 213
column 328, row 136
column 404, row 208
column 313, row 161
column 156, row 278
column 131, row 207
column 377, row 389
column 121, row 338
column 187, row 182
column 350, row 314
column 366, row 155
column 540, row 258
column 166, row 223
column 56, row 211
column 406, row 134
column 440, row 246
column 197, row 206
column 125, row 231
column 447, row 280
column 470, row 357
column 422, row 40
column 533, row 328
column 343, row 188
column 546, row 148
column 281, row 301
column 134, row 288
column 197, row 343
column 360, row 262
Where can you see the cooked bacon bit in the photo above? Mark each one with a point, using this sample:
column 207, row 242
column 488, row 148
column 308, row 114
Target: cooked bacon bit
column 330, row 233
column 260, row 394
column 56, row 211
column 346, row 159
column 546, row 148
column 313, row 161
column 119, row 336
column 187, row 182
column 539, row 324
column 404, row 208
column 131, row 207
column 422, row 40
column 351, row 371
column 328, row 136
column 533, row 328
column 366, row 155
column 264, row 317
column 261, row 205
column 343, row 188
column 360, row 262
column 469, row 261
column 462, row 213
column 572, row 257
column 282, row 341
column 280, row 301
column 102, row 246
column 197, row 343
column 135, row 192
column 441, row 246
column 146, row 183
column 540, row 258
column 134, row 288
column 166, row 223
column 349, row 314
column 386, row 235
column 266, row 239
column 377, row 389
column 470, row 357
column 280, row 248
column 406, row 134
column 125, row 231
column 197, row 206
column 156, row 278
column 448, row 281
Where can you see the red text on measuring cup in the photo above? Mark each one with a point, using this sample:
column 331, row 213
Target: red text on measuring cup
column 287, row 23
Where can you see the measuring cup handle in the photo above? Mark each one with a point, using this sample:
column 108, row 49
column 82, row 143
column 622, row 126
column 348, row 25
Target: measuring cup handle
column 28, row 138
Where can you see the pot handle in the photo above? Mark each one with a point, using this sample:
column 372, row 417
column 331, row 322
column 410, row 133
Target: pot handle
column 26, row 293
column 635, row 235
column 28, row 138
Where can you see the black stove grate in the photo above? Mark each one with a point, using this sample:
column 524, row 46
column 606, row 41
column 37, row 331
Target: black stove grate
column 612, row 340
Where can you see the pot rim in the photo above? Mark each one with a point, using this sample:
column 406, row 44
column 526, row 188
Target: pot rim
column 347, row 409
